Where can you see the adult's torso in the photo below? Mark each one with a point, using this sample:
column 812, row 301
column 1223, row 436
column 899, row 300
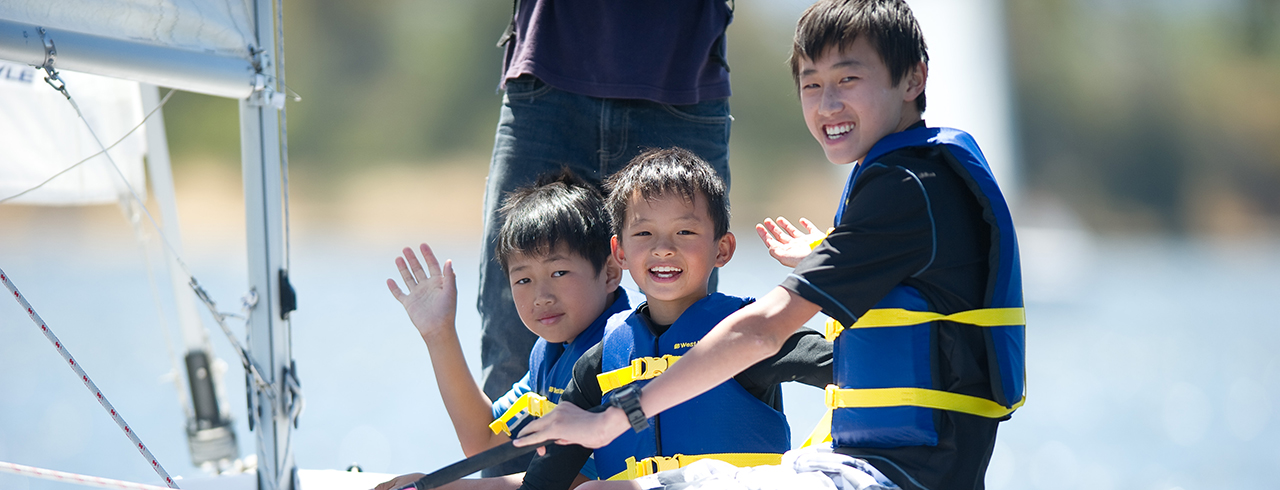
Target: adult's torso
column 669, row 51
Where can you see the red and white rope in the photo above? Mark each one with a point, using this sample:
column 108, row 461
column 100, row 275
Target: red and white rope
column 62, row 476
column 35, row 317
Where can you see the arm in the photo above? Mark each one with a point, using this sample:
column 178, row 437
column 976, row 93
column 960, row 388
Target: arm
column 749, row 335
column 431, row 304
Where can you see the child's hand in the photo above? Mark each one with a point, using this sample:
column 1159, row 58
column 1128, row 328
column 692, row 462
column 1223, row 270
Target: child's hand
column 787, row 243
column 432, row 301
column 399, row 482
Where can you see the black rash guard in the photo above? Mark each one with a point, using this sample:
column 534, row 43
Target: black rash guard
column 914, row 221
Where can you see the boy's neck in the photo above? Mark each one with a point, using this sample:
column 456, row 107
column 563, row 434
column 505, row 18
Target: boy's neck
column 909, row 120
column 667, row 312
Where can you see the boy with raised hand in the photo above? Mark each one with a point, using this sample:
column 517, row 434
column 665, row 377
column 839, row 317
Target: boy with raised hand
column 671, row 218
column 921, row 276
column 554, row 248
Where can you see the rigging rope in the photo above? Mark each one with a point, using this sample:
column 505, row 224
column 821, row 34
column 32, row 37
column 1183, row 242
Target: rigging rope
column 88, row 383
column 163, row 101
column 290, row 386
column 62, row 476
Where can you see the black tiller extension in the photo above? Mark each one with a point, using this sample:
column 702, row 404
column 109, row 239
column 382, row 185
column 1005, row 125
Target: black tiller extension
column 507, row 451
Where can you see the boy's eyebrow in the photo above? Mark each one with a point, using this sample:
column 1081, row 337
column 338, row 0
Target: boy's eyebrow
column 845, row 63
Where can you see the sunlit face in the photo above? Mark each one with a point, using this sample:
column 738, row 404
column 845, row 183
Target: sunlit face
column 558, row 295
column 669, row 247
column 849, row 102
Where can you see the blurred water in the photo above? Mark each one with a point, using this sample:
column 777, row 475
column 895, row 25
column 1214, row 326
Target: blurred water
column 1150, row 361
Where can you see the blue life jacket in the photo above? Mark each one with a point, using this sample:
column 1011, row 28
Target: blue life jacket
column 551, row 369
column 884, row 394
column 726, row 422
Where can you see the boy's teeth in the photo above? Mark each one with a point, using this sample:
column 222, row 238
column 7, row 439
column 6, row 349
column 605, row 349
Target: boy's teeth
column 665, row 271
column 839, row 129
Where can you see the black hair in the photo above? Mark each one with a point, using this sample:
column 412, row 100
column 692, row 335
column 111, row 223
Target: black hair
column 560, row 210
column 889, row 25
column 658, row 172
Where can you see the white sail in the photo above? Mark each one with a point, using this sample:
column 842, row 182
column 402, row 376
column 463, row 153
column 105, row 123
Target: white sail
column 199, row 46
column 41, row 135
column 216, row 26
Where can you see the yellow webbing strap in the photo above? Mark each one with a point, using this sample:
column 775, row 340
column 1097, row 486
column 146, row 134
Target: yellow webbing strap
column 821, row 432
column 648, row 466
column 642, row 368
column 897, row 317
column 537, row 406
column 917, row 397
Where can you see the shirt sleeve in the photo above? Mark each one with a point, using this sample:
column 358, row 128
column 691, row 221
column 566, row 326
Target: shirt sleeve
column 504, row 403
column 886, row 235
column 557, row 469
column 805, row 357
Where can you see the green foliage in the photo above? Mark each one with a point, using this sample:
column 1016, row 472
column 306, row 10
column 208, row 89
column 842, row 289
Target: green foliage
column 1126, row 109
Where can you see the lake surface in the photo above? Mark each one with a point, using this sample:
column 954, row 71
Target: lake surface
column 1151, row 362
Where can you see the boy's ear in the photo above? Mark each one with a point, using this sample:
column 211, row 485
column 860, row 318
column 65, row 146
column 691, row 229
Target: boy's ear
column 612, row 275
column 725, row 248
column 618, row 256
column 916, row 80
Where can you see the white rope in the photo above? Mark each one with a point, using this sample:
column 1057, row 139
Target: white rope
column 62, row 476
column 88, row 383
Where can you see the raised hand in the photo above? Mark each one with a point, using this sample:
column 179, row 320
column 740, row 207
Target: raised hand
column 432, row 300
column 786, row 242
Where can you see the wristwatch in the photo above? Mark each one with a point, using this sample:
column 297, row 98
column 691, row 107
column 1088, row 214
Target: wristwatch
column 628, row 399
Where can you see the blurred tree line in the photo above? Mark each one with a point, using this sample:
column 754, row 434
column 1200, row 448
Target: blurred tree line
column 1140, row 115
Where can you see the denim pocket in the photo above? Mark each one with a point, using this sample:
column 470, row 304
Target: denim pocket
column 526, row 87
column 714, row 111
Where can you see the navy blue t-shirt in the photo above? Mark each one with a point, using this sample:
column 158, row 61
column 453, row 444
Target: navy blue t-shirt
column 669, row 51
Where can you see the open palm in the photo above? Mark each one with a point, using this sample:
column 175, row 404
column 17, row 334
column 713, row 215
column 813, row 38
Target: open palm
column 432, row 300
column 787, row 243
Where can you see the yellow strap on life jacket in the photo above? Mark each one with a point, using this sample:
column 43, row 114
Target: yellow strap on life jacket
column 537, row 406
column 898, row 317
column 642, row 368
column 821, row 432
column 895, row 397
column 648, row 466
column 917, row 397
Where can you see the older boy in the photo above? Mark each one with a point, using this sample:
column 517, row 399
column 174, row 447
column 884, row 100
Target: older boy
column 554, row 248
column 924, row 248
column 672, row 229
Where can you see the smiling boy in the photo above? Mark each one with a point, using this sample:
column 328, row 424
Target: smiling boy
column 554, row 247
column 920, row 274
column 671, row 219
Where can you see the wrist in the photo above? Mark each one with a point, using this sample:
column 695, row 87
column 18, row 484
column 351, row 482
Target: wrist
column 438, row 334
column 627, row 399
column 616, row 420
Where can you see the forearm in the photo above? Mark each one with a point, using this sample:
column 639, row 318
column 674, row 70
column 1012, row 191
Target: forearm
column 468, row 407
column 746, row 337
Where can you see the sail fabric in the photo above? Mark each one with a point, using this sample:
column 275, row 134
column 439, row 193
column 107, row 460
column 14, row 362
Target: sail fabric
column 41, row 135
column 221, row 27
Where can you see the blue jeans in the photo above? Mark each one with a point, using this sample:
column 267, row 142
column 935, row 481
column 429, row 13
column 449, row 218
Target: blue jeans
column 542, row 129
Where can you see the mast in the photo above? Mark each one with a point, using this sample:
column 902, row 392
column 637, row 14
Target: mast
column 211, row 435
column 262, row 143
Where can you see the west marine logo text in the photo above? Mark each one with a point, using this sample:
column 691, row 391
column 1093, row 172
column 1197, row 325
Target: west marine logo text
column 685, row 345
